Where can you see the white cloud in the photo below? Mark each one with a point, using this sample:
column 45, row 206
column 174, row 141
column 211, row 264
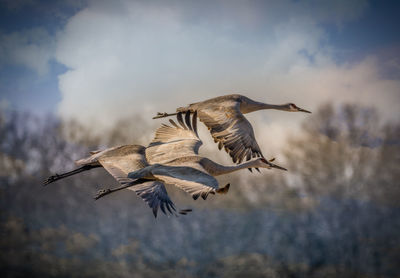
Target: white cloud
column 144, row 57
column 32, row 48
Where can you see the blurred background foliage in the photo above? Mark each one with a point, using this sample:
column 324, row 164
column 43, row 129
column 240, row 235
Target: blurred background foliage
column 336, row 213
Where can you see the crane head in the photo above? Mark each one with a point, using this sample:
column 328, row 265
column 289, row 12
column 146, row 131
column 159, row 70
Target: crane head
column 294, row 108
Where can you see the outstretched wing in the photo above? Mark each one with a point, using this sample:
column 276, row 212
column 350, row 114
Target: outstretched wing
column 231, row 130
column 174, row 141
column 193, row 181
column 176, row 148
column 155, row 195
column 120, row 161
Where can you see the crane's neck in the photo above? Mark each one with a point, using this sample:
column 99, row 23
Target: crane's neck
column 216, row 169
column 251, row 106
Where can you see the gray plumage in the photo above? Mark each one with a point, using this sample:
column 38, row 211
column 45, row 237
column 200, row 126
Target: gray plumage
column 171, row 158
column 224, row 118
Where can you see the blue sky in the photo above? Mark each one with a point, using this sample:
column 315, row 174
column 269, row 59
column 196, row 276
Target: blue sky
column 21, row 86
column 101, row 60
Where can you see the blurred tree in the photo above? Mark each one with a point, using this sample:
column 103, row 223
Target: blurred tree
column 345, row 153
column 334, row 214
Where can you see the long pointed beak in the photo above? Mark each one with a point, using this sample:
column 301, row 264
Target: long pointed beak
column 303, row 110
column 277, row 167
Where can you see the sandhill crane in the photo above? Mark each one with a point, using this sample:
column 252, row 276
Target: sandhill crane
column 230, row 129
column 171, row 158
column 119, row 162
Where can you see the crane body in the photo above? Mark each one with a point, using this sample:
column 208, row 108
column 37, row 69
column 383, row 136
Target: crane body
column 171, row 158
column 224, row 117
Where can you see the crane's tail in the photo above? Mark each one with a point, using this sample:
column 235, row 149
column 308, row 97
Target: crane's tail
column 57, row 177
column 224, row 189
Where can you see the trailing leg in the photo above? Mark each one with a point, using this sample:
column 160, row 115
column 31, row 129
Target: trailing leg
column 56, row 177
column 163, row 115
column 107, row 191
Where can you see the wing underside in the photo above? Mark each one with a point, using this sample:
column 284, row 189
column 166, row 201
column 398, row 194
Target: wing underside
column 155, row 195
column 119, row 163
column 189, row 179
column 176, row 147
column 231, row 130
column 174, row 141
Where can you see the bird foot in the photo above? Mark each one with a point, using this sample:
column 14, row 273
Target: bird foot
column 161, row 115
column 277, row 167
column 50, row 179
column 101, row 193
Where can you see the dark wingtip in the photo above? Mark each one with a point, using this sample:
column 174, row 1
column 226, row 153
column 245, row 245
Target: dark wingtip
column 155, row 210
column 184, row 211
column 168, row 208
column 173, row 123
column 187, row 120
column 163, row 208
column 172, row 205
column 180, row 120
column 194, row 123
